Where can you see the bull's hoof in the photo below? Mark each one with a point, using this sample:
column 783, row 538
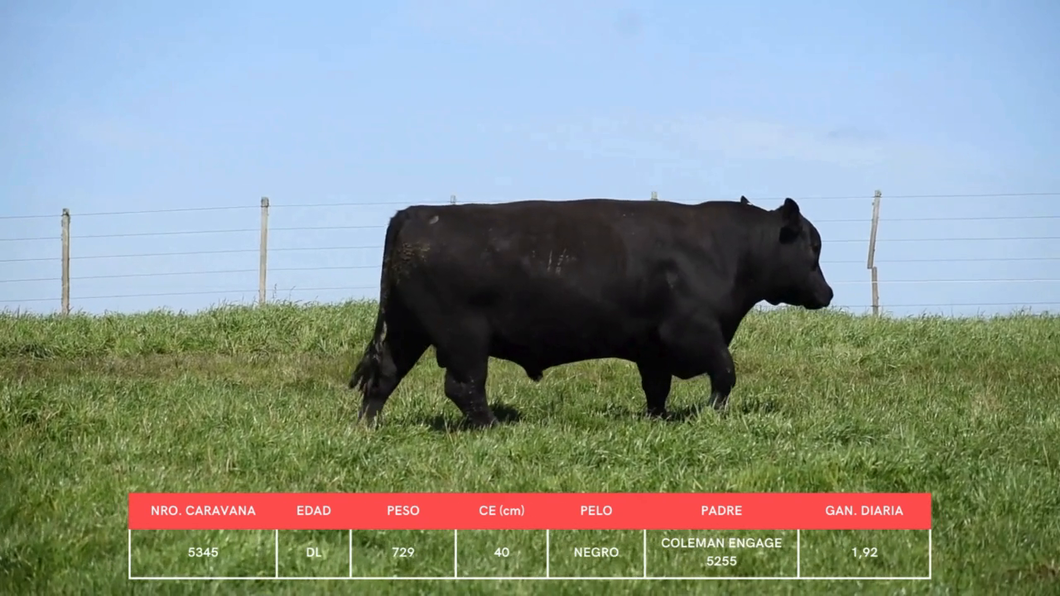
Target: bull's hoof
column 369, row 423
column 659, row 414
column 368, row 418
column 369, row 412
column 483, row 422
column 718, row 402
column 721, row 408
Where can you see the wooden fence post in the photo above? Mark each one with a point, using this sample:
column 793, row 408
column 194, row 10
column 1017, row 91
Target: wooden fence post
column 654, row 196
column 264, row 260
column 452, row 199
column 66, row 262
column 871, row 264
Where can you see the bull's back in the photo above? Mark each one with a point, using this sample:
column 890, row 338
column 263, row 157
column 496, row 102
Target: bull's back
column 529, row 242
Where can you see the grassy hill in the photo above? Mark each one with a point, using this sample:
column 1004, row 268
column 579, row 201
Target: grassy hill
column 254, row 399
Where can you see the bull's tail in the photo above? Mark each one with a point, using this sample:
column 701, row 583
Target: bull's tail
column 368, row 370
column 366, row 373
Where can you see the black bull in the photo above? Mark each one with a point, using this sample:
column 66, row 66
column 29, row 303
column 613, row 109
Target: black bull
column 544, row 283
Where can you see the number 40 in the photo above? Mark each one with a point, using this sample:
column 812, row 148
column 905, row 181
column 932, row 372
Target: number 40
column 501, row 552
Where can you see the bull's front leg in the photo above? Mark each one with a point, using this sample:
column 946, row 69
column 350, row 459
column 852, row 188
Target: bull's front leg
column 655, row 380
column 722, row 373
column 697, row 345
column 719, row 366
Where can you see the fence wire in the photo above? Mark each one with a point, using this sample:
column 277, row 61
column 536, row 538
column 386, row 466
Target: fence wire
column 307, row 265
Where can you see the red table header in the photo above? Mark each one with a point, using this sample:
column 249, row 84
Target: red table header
column 529, row 511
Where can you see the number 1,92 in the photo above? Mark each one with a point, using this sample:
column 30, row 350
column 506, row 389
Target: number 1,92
column 865, row 552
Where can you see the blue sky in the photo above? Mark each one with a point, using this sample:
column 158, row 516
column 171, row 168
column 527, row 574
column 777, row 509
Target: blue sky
column 368, row 107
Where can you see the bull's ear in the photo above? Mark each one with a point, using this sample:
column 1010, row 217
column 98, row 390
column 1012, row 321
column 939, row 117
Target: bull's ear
column 744, row 201
column 790, row 221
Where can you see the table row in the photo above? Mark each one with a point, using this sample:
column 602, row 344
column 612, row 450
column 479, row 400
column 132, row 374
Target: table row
column 529, row 553
column 530, row 511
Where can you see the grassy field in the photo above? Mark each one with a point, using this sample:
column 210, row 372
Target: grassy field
column 249, row 399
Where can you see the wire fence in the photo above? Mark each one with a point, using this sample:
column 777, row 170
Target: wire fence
column 937, row 252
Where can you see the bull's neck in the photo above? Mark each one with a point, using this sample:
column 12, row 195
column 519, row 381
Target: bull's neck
column 752, row 274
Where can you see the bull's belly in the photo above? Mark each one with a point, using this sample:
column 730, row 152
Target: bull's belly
column 553, row 338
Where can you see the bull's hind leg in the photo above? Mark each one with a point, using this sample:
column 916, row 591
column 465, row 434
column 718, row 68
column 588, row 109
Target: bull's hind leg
column 466, row 387
column 466, row 360
column 402, row 348
column 462, row 348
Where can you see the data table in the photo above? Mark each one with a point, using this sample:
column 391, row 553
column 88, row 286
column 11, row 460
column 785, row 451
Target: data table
column 532, row 536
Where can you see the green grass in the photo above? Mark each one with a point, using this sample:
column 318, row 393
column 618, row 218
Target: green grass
column 249, row 399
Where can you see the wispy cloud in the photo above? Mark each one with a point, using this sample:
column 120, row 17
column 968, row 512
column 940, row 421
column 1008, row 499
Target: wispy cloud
column 742, row 138
column 692, row 138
